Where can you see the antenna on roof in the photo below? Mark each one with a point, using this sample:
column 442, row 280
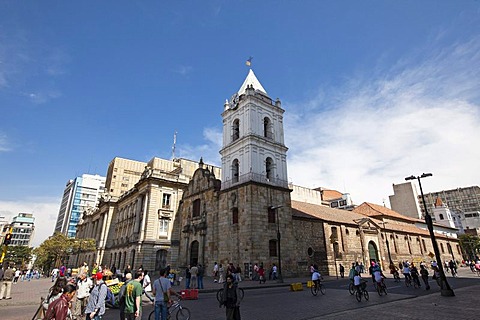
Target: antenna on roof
column 174, row 143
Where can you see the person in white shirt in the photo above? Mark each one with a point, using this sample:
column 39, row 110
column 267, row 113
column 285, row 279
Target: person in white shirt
column 406, row 272
column 147, row 285
column 316, row 277
column 357, row 281
column 84, row 284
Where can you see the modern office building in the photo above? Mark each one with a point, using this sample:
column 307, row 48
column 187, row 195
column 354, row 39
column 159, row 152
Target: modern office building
column 80, row 194
column 23, row 227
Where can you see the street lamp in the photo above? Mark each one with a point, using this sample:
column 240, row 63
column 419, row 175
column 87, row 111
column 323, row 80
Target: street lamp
column 280, row 276
column 445, row 289
column 388, row 245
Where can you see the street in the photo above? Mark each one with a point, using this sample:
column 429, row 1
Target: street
column 277, row 301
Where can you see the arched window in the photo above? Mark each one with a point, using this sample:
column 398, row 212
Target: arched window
column 194, row 252
column 272, row 248
column 235, row 170
column 236, row 130
column 424, row 245
column 234, row 215
column 160, row 259
column 441, row 247
column 267, row 124
column 392, row 239
column 269, row 168
column 441, row 216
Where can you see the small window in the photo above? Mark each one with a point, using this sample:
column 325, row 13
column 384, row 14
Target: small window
column 272, row 248
column 334, row 204
column 235, row 170
column 196, row 208
column 235, row 215
column 310, row 251
column 441, row 216
column 343, row 203
column 442, row 248
column 163, row 226
column 271, row 215
column 236, row 130
column 166, row 201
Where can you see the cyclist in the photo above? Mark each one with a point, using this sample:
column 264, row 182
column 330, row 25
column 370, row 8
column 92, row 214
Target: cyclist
column 394, row 271
column 414, row 274
column 316, row 277
column 378, row 274
column 406, row 272
column 357, row 282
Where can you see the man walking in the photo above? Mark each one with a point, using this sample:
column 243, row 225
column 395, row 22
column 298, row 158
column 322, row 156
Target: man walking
column 133, row 297
column 7, row 283
column 162, row 290
column 84, row 284
column 193, row 277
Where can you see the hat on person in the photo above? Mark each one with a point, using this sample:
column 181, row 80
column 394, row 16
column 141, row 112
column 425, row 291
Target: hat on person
column 99, row 276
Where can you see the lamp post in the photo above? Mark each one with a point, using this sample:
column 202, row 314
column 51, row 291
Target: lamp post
column 445, row 289
column 388, row 245
column 280, row 276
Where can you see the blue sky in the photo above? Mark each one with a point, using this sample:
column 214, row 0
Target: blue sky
column 374, row 91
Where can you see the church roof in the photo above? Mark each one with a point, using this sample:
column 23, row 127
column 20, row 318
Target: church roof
column 375, row 210
column 251, row 79
column 309, row 210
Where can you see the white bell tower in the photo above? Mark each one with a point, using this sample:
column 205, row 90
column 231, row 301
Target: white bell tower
column 253, row 141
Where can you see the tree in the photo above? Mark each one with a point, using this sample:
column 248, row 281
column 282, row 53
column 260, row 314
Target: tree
column 470, row 245
column 56, row 249
column 19, row 255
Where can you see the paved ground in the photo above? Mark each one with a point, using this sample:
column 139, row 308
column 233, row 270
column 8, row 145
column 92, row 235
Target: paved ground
column 419, row 305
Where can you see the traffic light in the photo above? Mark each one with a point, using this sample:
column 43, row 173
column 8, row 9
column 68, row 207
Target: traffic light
column 8, row 239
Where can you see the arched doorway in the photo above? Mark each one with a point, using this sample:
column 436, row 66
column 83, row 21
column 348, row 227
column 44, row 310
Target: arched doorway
column 160, row 259
column 373, row 251
column 194, row 253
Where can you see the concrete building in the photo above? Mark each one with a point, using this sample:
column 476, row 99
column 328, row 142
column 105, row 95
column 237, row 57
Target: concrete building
column 23, row 228
column 79, row 195
column 463, row 204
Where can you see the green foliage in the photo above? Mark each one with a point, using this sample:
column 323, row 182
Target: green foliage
column 19, row 255
column 470, row 244
column 55, row 250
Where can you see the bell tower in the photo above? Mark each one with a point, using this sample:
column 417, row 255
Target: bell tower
column 253, row 141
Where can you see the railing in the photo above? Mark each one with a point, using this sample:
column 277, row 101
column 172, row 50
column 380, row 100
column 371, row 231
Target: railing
column 257, row 178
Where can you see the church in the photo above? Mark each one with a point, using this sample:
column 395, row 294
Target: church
column 248, row 216
column 181, row 212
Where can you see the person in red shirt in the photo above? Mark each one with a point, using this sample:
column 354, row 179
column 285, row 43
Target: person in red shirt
column 58, row 309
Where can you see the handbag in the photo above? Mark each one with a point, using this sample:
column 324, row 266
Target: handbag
column 166, row 298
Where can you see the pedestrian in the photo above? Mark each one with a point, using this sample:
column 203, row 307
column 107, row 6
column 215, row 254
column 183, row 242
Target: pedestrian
column 261, row 274
column 255, row 272
column 96, row 302
column 7, row 283
column 201, row 272
column 231, row 298
column 238, row 273
column 188, row 276
column 121, row 296
column 215, row 272
column 193, row 277
column 54, row 292
column 84, row 284
column 128, row 269
column 147, row 285
column 342, row 271
column 162, row 290
column 133, row 297
column 59, row 309
column 274, row 272
column 221, row 273
column 424, row 274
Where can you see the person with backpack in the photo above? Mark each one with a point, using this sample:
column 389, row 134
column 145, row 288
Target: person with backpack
column 133, row 297
column 96, row 303
column 58, row 309
column 121, row 296
column 231, row 298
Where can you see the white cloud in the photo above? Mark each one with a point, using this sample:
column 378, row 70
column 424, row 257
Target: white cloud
column 4, row 143
column 45, row 211
column 183, row 70
column 422, row 115
column 208, row 151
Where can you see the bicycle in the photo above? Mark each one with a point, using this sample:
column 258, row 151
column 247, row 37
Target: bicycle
column 220, row 295
column 416, row 283
column 381, row 288
column 351, row 288
column 183, row 313
column 362, row 292
column 408, row 281
column 396, row 277
column 318, row 286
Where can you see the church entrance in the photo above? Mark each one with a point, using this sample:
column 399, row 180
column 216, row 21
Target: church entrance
column 194, row 253
column 373, row 251
column 160, row 260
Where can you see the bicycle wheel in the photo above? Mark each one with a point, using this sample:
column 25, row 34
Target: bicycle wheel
column 416, row 285
column 351, row 289
column 183, row 314
column 365, row 295
column 151, row 316
column 314, row 290
column 384, row 288
column 379, row 290
column 408, row 283
column 322, row 289
column 358, row 295
column 220, row 296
